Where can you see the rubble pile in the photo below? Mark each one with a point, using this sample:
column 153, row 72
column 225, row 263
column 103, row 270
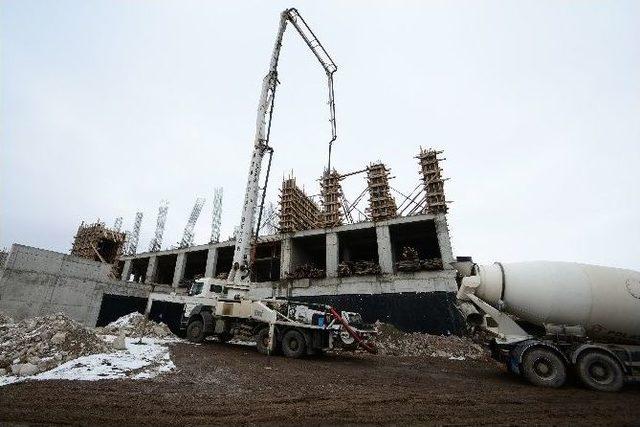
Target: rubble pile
column 393, row 342
column 410, row 261
column 358, row 268
column 136, row 325
column 305, row 271
column 41, row 343
column 4, row 319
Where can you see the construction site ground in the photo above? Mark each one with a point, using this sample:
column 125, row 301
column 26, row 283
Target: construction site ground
column 232, row 384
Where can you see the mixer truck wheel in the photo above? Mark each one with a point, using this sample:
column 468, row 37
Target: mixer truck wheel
column 600, row 372
column 544, row 368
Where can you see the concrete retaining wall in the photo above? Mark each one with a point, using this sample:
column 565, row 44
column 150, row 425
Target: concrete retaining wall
column 37, row 282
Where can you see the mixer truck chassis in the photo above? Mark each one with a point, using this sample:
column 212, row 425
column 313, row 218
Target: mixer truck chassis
column 549, row 362
column 549, row 320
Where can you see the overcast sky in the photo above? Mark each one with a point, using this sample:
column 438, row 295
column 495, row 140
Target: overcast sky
column 107, row 107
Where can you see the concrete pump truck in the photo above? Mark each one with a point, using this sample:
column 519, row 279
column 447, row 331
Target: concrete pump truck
column 223, row 307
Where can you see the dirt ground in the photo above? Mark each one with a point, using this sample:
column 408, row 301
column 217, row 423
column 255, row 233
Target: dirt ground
column 232, row 384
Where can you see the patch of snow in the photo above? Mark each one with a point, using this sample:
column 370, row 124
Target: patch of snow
column 139, row 361
column 124, row 320
column 457, row 358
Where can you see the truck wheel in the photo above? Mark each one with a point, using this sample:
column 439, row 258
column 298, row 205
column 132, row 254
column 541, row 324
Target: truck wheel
column 293, row 344
column 195, row 331
column 262, row 341
column 544, row 368
column 600, row 372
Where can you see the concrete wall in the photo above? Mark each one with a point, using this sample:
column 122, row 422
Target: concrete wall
column 36, row 282
column 293, row 253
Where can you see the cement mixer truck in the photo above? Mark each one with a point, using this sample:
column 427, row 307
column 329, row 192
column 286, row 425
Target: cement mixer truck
column 548, row 320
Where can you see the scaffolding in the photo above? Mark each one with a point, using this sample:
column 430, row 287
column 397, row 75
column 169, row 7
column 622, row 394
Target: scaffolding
column 382, row 205
column 432, row 181
column 331, row 194
column 98, row 243
column 297, row 210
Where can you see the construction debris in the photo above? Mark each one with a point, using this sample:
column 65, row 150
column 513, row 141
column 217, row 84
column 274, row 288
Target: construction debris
column 42, row 343
column 358, row 268
column 410, row 261
column 393, row 342
column 136, row 325
column 432, row 181
column 306, row 271
column 297, row 211
column 4, row 319
column 382, row 205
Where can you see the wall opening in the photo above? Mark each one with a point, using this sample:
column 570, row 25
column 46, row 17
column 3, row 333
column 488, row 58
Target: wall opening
column 358, row 245
column 169, row 313
column 422, row 238
column 139, row 269
column 225, row 260
column 113, row 307
column 308, row 257
column 195, row 265
column 358, row 253
column 266, row 262
column 165, row 268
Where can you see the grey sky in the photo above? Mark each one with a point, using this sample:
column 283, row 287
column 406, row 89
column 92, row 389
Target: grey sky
column 106, row 107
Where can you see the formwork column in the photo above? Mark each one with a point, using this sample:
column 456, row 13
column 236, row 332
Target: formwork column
column 178, row 272
column 126, row 270
column 152, row 270
column 385, row 254
column 442, row 229
column 286, row 253
column 212, row 260
column 332, row 252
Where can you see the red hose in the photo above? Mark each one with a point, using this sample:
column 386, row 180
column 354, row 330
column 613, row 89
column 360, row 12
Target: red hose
column 367, row 346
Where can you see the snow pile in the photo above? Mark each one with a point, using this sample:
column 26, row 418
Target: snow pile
column 140, row 360
column 393, row 342
column 137, row 325
column 42, row 343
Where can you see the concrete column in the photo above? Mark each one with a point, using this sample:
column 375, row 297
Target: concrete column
column 126, row 271
column 286, row 253
column 385, row 253
column 442, row 229
column 212, row 260
column 332, row 254
column 178, row 272
column 152, row 270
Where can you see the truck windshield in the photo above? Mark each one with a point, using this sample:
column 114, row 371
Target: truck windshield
column 196, row 289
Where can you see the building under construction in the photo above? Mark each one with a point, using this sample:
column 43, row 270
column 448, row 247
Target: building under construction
column 383, row 253
column 388, row 266
column 99, row 243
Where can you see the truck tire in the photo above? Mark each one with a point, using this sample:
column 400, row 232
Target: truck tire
column 293, row 344
column 195, row 331
column 543, row 367
column 599, row 371
column 262, row 341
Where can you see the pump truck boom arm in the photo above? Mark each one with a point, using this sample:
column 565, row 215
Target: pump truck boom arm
column 240, row 266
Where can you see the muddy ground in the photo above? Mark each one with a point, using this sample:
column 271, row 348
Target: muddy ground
column 232, row 384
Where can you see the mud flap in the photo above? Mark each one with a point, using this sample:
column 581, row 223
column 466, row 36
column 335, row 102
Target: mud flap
column 272, row 338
